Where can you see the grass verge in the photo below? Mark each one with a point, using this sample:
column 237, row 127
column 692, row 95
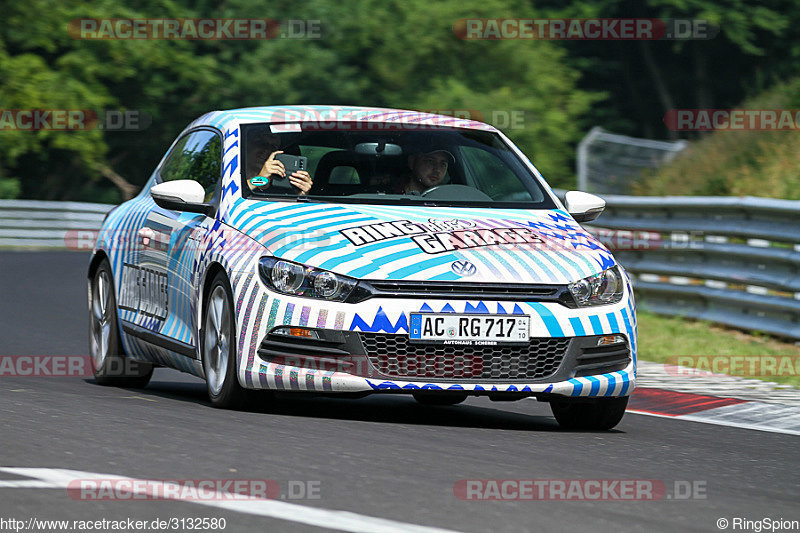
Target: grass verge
column 665, row 339
column 737, row 163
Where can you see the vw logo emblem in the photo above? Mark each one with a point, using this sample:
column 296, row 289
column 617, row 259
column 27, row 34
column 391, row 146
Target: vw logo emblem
column 463, row 268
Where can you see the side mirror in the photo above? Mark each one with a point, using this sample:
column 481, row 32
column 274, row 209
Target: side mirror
column 582, row 206
column 181, row 195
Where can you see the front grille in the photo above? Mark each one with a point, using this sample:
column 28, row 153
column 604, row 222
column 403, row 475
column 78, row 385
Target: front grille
column 448, row 290
column 395, row 356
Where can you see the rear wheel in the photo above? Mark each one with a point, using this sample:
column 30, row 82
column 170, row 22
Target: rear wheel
column 219, row 346
column 595, row 414
column 109, row 364
column 440, row 398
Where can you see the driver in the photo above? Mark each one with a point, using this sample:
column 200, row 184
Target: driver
column 428, row 170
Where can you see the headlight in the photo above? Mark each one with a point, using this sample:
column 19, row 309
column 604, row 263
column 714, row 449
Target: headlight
column 601, row 289
column 287, row 277
column 299, row 280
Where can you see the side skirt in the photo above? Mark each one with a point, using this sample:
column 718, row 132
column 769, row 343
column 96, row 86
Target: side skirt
column 181, row 348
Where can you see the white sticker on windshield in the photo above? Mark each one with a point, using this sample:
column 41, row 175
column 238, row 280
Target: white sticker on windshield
column 285, row 128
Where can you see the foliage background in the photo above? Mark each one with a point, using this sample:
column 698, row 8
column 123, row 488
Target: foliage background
column 380, row 53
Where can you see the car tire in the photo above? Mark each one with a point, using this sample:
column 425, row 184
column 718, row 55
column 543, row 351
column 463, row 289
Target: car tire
column 109, row 364
column 597, row 414
column 218, row 346
column 439, row 398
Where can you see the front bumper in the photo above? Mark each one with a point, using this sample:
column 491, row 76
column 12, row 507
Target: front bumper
column 360, row 367
column 356, row 362
column 281, row 377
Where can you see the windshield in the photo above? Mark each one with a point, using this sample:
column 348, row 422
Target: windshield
column 379, row 163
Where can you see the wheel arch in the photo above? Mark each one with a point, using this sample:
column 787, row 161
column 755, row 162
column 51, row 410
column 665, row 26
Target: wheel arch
column 94, row 264
column 211, row 272
column 208, row 277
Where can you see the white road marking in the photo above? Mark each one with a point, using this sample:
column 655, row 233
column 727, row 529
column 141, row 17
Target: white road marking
column 701, row 419
column 27, row 484
column 57, row 478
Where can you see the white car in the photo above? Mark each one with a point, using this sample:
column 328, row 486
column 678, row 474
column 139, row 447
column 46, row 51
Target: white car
column 429, row 257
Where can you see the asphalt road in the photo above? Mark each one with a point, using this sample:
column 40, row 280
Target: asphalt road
column 383, row 457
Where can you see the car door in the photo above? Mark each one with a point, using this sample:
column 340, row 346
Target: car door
column 166, row 247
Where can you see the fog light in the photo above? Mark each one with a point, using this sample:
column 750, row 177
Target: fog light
column 605, row 340
column 296, row 332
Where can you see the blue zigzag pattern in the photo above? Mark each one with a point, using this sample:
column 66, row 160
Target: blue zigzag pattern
column 380, row 323
column 605, row 260
column 391, row 385
column 469, row 308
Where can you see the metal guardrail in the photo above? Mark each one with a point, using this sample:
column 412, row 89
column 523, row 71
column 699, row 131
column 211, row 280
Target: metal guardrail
column 34, row 224
column 733, row 261
column 610, row 163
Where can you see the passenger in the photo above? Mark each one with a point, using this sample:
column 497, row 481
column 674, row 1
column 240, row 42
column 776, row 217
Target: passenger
column 262, row 166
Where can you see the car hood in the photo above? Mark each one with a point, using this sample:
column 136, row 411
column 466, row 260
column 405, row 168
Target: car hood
column 429, row 244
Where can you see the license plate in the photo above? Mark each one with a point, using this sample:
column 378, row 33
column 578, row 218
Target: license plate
column 451, row 328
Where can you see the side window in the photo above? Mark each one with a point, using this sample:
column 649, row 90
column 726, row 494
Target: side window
column 196, row 156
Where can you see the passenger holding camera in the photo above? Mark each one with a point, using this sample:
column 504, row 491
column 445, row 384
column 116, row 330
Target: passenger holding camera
column 272, row 168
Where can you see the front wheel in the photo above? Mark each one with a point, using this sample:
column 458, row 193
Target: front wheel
column 109, row 364
column 598, row 414
column 219, row 346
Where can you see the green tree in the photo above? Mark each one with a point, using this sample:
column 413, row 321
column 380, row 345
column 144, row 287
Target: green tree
column 543, row 94
column 405, row 54
column 44, row 67
column 756, row 46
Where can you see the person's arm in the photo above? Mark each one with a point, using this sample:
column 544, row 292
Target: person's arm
column 300, row 179
column 271, row 166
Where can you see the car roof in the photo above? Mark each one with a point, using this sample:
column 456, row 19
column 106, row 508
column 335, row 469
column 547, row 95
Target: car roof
column 327, row 113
